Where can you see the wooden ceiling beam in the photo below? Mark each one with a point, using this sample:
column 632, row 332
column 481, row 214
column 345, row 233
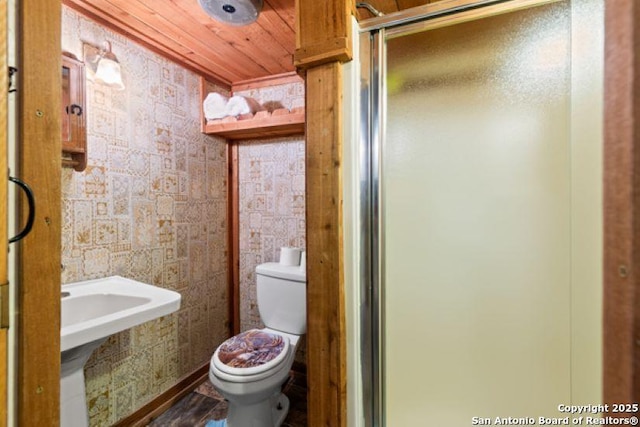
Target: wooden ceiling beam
column 323, row 32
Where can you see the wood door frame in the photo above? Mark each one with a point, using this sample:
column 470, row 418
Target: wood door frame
column 4, row 284
column 621, row 281
column 39, row 135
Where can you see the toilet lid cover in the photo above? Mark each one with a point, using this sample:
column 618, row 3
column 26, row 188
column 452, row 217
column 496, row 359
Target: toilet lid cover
column 251, row 349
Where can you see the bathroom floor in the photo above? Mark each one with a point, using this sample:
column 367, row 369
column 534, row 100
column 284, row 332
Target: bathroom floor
column 204, row 404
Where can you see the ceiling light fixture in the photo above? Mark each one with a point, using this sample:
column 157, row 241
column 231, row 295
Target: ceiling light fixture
column 233, row 12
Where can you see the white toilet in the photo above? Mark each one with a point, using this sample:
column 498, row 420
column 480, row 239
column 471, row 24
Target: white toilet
column 250, row 368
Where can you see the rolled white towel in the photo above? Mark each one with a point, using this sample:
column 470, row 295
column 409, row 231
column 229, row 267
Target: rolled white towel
column 238, row 105
column 215, row 106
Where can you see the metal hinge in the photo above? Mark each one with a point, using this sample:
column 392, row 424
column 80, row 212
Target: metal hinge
column 12, row 71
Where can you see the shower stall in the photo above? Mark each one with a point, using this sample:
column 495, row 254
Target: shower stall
column 479, row 212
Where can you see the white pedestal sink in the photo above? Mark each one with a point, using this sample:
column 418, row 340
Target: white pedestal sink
column 92, row 311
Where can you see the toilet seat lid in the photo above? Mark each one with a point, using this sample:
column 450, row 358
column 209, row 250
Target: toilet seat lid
column 251, row 352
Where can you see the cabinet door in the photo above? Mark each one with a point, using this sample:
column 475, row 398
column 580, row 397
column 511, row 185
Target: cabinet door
column 74, row 136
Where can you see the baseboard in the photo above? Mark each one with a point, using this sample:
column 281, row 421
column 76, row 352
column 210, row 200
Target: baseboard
column 157, row 406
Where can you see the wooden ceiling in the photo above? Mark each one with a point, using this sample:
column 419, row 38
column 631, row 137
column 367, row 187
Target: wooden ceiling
column 181, row 31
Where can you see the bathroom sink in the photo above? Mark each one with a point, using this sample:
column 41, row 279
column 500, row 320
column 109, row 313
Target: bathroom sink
column 95, row 309
column 92, row 311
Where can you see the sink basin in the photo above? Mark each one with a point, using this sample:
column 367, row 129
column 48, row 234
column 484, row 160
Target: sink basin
column 98, row 308
column 92, row 311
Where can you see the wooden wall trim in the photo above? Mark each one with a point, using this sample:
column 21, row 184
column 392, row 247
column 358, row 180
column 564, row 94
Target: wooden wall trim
column 326, row 342
column 323, row 41
column 4, row 80
column 323, row 53
column 160, row 404
column 4, row 374
column 233, row 251
column 39, row 92
column 323, row 32
column 621, row 352
column 4, row 281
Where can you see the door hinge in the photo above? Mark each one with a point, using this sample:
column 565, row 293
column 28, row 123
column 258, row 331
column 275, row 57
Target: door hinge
column 12, row 71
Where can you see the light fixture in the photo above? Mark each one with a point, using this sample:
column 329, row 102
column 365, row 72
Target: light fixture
column 233, row 12
column 102, row 66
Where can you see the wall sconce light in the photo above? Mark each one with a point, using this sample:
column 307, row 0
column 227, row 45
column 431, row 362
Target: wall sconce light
column 102, row 65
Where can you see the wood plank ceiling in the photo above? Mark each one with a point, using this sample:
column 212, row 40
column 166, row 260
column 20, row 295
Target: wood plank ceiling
column 181, row 31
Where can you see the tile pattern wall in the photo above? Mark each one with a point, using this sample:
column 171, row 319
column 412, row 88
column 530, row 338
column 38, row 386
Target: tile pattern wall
column 281, row 96
column 272, row 211
column 271, row 197
column 151, row 206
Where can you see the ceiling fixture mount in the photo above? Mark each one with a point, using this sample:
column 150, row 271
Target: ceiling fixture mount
column 232, row 12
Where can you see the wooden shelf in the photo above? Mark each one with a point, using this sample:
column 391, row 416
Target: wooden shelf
column 262, row 125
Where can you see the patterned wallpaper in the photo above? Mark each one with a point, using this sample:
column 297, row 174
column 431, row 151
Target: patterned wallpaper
column 150, row 206
column 272, row 211
column 281, row 96
column 272, row 199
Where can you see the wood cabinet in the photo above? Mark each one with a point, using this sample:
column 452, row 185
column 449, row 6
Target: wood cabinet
column 74, row 131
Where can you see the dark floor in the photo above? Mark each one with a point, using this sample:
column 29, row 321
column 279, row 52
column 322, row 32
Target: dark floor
column 204, row 404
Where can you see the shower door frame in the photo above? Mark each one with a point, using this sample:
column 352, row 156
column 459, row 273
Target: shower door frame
column 373, row 34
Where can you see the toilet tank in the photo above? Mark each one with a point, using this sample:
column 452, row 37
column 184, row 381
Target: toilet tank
column 282, row 297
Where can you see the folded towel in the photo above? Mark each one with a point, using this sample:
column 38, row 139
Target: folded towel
column 216, row 423
column 215, row 106
column 238, row 105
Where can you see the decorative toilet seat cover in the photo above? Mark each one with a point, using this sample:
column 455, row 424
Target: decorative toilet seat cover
column 251, row 352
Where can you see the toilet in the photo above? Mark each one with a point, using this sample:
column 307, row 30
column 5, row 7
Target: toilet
column 249, row 369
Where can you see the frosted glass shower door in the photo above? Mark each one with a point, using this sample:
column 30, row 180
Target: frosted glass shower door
column 476, row 220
